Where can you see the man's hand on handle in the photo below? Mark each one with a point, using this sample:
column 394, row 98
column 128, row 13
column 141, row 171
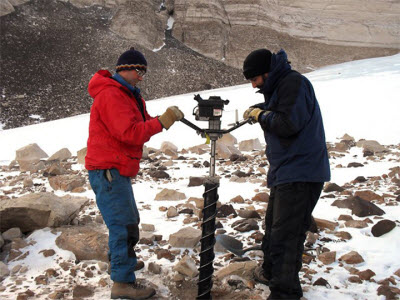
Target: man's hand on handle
column 253, row 113
column 171, row 115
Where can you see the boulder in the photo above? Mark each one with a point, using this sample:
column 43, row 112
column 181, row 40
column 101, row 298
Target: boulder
column 359, row 206
column 86, row 242
column 245, row 225
column 372, row 146
column 366, row 274
column 81, row 154
column 187, row 237
column 243, row 269
column 368, row 195
column 382, row 227
column 39, row 210
column 249, row 214
column 169, row 149
column 66, row 183
column 226, row 210
column 321, row 223
column 352, row 258
column 250, row 145
column 200, row 149
column 261, row 197
column 61, row 155
column 228, row 140
column 4, row 271
column 172, row 212
column 168, row 194
column 159, row 174
column 327, row 257
column 186, row 266
column 28, row 156
column 6, row 8
column 332, row 187
column 356, row 224
column 12, row 233
column 154, row 268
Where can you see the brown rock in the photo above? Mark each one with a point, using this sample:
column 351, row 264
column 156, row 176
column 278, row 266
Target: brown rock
column 321, row 223
column 66, row 183
column 327, row 257
column 366, row 274
column 237, row 199
column 382, row 227
column 356, row 224
column 343, row 235
column 368, row 195
column 355, row 279
column 168, row 194
column 81, row 291
column 86, row 242
column 48, row 252
column 352, row 258
column 261, row 197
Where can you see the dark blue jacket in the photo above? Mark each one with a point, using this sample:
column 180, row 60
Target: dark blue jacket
column 294, row 132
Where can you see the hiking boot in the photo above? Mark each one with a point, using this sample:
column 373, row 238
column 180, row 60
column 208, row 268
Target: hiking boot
column 259, row 276
column 133, row 291
column 139, row 266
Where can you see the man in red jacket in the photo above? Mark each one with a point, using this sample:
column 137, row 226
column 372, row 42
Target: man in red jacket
column 119, row 126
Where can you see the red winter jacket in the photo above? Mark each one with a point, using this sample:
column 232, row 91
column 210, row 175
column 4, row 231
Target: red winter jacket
column 117, row 130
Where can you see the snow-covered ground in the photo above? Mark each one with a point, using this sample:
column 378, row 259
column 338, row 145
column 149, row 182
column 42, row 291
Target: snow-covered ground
column 360, row 98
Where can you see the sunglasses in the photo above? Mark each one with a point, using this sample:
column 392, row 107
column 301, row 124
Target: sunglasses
column 141, row 73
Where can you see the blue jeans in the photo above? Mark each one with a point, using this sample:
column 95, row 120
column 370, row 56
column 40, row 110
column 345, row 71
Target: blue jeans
column 114, row 197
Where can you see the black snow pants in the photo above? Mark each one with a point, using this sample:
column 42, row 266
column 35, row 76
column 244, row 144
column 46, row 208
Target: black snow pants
column 287, row 219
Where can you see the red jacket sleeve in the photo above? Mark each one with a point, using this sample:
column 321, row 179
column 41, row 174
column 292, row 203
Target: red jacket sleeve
column 123, row 119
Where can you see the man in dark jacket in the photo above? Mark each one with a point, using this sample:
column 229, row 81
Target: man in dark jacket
column 119, row 126
column 296, row 150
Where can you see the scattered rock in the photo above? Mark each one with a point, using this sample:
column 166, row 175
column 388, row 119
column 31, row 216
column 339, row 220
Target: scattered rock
column 168, row 194
column 368, row 195
column 4, row 271
column 343, row 235
column 382, row 227
column 366, row 274
column 250, row 145
column 66, row 183
column 148, row 227
column 12, row 233
column 226, row 210
column 187, row 237
column 355, row 165
column 48, row 252
column 352, row 258
column 327, row 257
column 332, row 187
column 154, row 268
column 28, row 156
column 356, row 224
column 249, row 214
column 39, row 210
column 243, row 269
column 172, row 212
column 186, row 266
column 86, row 242
column 159, row 174
column 388, row 291
column 261, row 197
column 245, row 225
column 81, row 291
column 321, row 282
column 359, row 207
column 61, row 155
column 321, row 223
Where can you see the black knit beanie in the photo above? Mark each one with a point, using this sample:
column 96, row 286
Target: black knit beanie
column 131, row 59
column 257, row 63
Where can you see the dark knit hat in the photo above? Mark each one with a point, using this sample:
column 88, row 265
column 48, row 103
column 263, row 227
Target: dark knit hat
column 131, row 59
column 257, row 63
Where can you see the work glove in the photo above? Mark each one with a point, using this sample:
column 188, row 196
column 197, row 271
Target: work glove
column 171, row 115
column 253, row 113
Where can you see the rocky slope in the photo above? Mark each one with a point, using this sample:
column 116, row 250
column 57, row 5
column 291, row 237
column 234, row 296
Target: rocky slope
column 51, row 48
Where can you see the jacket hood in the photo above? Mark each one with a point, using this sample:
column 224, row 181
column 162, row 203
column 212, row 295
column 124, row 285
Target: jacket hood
column 279, row 68
column 101, row 80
